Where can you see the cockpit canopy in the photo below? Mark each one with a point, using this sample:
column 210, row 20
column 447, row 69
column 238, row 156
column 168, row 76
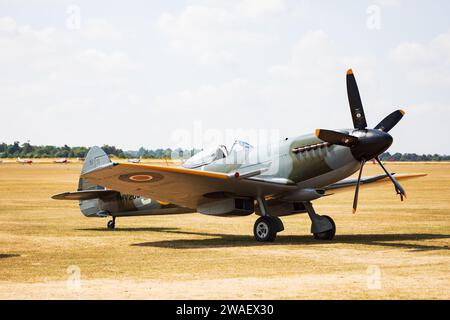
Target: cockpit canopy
column 238, row 150
column 206, row 156
column 239, row 146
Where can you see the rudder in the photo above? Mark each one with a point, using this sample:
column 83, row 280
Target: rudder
column 95, row 158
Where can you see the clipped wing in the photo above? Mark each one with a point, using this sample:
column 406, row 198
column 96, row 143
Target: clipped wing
column 180, row 186
column 349, row 184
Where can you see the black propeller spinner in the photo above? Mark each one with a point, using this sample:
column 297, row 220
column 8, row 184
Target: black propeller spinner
column 365, row 144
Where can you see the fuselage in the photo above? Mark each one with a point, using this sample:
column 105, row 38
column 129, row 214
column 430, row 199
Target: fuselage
column 304, row 161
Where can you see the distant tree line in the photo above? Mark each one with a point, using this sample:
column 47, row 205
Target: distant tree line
column 167, row 153
column 413, row 157
column 26, row 150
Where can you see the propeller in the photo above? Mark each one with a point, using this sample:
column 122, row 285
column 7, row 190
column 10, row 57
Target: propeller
column 354, row 100
column 390, row 121
column 355, row 199
column 335, row 137
column 365, row 144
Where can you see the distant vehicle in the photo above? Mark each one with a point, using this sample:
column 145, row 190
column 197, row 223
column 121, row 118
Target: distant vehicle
column 24, row 161
column 134, row 160
column 62, row 160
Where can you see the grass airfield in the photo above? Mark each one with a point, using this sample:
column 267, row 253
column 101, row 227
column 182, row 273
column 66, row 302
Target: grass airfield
column 389, row 250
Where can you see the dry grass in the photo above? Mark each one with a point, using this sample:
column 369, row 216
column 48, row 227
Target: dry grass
column 195, row 256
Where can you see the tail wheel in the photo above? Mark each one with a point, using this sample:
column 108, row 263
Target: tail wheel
column 111, row 224
column 326, row 235
column 265, row 229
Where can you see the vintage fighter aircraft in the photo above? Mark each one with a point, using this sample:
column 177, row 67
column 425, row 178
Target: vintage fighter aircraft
column 62, row 160
column 244, row 180
column 24, row 161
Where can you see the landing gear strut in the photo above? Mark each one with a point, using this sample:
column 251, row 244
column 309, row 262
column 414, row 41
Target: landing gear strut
column 322, row 227
column 266, row 227
column 112, row 224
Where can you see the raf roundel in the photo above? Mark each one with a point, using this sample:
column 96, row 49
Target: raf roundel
column 141, row 177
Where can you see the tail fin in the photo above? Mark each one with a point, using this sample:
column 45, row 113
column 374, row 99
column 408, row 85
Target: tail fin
column 95, row 158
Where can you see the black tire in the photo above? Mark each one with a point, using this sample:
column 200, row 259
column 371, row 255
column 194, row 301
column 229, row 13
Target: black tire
column 326, row 235
column 265, row 229
column 111, row 225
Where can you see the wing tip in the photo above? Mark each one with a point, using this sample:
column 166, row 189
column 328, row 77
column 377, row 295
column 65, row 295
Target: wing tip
column 410, row 175
column 59, row 196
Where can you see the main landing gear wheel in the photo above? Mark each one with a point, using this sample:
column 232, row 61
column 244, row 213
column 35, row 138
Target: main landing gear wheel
column 326, row 235
column 111, row 224
column 265, row 229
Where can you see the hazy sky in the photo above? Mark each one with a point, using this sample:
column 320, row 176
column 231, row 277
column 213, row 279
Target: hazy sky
column 145, row 73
